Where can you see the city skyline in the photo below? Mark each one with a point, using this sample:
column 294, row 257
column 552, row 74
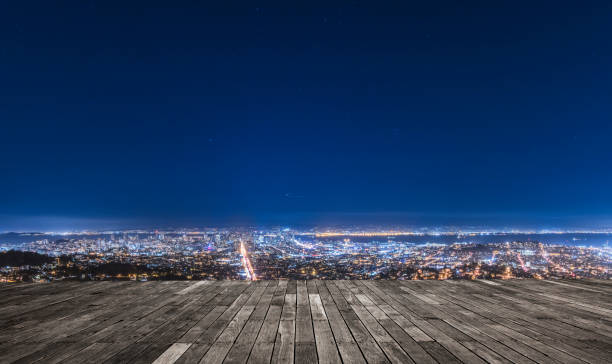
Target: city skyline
column 363, row 222
column 319, row 182
column 253, row 254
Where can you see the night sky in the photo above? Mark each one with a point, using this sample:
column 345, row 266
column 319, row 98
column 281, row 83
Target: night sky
column 190, row 113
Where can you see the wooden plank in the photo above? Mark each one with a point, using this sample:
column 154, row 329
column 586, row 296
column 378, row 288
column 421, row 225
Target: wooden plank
column 316, row 307
column 239, row 353
column 192, row 287
column 518, row 321
column 524, row 347
column 224, row 342
column 389, row 346
column 193, row 354
column 405, row 341
column 172, row 354
column 347, row 347
column 305, row 349
column 284, row 345
column 264, row 344
column 9, row 354
column 454, row 347
column 305, row 353
column 289, row 307
column 152, row 352
column 325, row 343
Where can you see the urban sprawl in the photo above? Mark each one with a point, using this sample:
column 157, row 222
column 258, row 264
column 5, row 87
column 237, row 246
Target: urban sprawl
column 285, row 253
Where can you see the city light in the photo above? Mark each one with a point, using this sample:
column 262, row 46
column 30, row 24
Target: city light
column 257, row 254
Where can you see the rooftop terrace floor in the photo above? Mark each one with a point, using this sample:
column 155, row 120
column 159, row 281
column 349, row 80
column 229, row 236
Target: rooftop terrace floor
column 520, row 321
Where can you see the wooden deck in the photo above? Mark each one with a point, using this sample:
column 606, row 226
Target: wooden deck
column 520, row 321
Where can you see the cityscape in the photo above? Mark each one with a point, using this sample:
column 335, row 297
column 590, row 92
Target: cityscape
column 254, row 254
column 280, row 182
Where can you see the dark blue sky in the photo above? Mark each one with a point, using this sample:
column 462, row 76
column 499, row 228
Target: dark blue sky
column 265, row 112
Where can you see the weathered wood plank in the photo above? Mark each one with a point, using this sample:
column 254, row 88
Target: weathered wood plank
column 518, row 321
column 172, row 354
